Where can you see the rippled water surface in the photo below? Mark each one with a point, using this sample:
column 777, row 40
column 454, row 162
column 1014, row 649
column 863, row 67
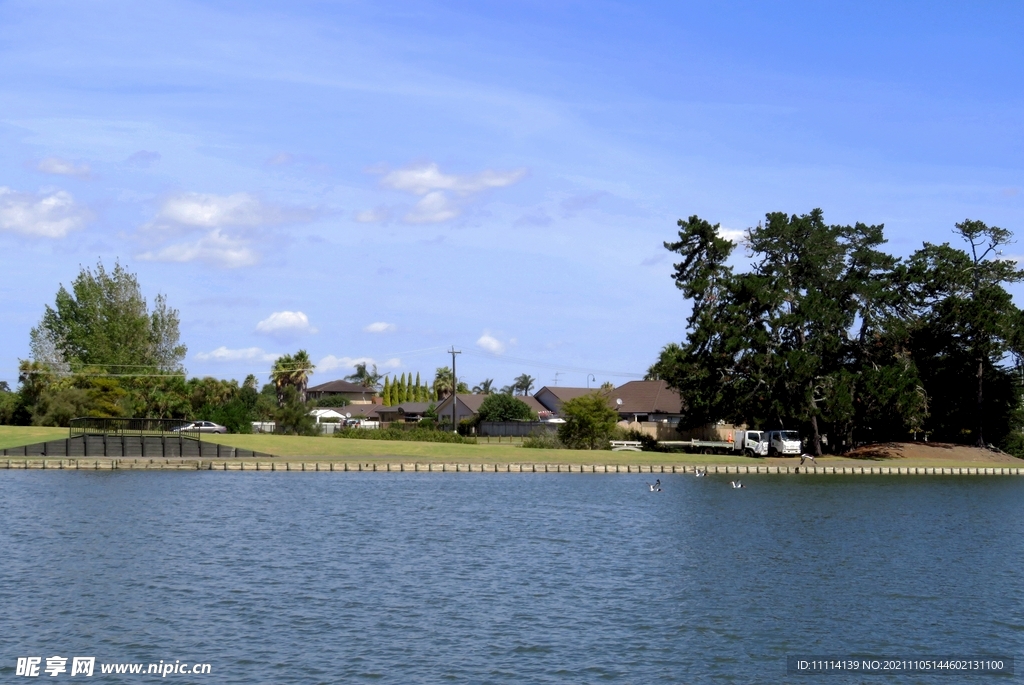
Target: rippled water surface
column 504, row 578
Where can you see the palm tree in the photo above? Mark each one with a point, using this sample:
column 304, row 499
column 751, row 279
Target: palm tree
column 364, row 377
column 443, row 382
column 292, row 370
column 485, row 387
column 524, row 383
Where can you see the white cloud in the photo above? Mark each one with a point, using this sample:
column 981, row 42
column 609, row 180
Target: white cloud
column 285, row 323
column 330, row 362
column 204, row 210
column 432, row 209
column 491, row 344
column 425, row 178
column 47, row 215
column 380, row 327
column 223, row 354
column 428, row 182
column 373, row 216
column 736, row 235
column 217, row 215
column 215, row 248
column 62, row 167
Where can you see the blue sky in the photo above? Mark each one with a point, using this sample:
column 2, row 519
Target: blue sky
column 382, row 180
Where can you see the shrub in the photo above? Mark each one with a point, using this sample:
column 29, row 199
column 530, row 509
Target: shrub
column 544, row 441
column 414, row 434
column 589, row 422
column 504, row 408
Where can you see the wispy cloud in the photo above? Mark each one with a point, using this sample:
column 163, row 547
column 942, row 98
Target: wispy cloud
column 330, row 363
column 213, row 248
column 223, row 354
column 285, row 323
column 62, row 167
column 143, row 158
column 380, row 327
column 203, row 210
column 373, row 216
column 45, row 215
column 227, row 221
column 490, row 343
column 433, row 208
column 425, row 178
column 434, row 187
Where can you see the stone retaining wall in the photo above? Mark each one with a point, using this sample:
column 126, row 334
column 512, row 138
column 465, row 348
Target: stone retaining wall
column 281, row 465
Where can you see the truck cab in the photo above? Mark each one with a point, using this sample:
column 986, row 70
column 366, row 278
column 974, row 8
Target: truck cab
column 784, row 443
column 750, row 442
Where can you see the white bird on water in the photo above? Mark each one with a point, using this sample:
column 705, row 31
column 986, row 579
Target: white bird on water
column 656, row 487
column 737, row 484
column 700, row 473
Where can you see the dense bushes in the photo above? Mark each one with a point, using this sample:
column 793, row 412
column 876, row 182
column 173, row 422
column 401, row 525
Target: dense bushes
column 417, row 434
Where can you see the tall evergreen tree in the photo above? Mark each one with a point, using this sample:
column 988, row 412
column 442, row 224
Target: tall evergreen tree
column 386, row 393
column 967, row 323
column 776, row 346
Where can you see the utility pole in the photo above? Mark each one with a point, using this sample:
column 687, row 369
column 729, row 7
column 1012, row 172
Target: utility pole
column 455, row 389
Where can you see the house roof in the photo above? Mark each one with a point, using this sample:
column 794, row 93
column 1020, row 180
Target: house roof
column 552, row 397
column 328, row 413
column 340, row 386
column 473, row 402
column 646, row 397
column 358, row 411
column 406, row 408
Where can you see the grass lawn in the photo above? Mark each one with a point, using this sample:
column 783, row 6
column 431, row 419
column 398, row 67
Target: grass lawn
column 340, row 449
column 15, row 436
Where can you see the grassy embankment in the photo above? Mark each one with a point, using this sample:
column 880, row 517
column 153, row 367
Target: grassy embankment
column 339, row 449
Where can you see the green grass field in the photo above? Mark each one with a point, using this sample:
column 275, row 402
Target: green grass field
column 339, row 449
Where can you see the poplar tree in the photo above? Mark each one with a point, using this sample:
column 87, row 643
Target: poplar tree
column 386, row 393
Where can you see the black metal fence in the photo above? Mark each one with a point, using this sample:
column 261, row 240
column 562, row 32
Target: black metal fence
column 91, row 425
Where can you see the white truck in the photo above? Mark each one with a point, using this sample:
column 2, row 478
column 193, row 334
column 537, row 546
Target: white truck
column 753, row 443
column 784, row 444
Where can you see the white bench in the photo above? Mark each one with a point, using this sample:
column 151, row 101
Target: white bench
column 626, row 446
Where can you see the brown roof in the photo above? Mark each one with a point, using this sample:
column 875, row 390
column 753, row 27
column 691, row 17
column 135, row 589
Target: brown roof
column 646, row 397
column 340, row 386
column 358, row 411
column 406, row 408
column 473, row 402
column 564, row 394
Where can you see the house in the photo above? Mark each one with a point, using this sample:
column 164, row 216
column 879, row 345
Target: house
column 323, row 415
column 468, row 406
column 553, row 397
column 353, row 392
column 647, row 401
column 406, row 411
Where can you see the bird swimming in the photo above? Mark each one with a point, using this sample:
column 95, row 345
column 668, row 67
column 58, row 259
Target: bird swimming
column 700, row 473
column 656, row 486
column 737, row 484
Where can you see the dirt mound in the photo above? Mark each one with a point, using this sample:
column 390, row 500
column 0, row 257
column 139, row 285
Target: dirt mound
column 931, row 451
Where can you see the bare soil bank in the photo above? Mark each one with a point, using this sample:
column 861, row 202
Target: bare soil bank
column 932, row 451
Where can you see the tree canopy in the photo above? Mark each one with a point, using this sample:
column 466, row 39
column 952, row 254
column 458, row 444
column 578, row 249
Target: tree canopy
column 827, row 333
column 589, row 422
column 498, row 407
column 104, row 322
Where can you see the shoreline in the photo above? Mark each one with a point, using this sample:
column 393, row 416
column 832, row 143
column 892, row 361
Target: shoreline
column 292, row 465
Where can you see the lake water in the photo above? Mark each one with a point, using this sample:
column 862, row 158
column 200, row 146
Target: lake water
column 505, row 578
